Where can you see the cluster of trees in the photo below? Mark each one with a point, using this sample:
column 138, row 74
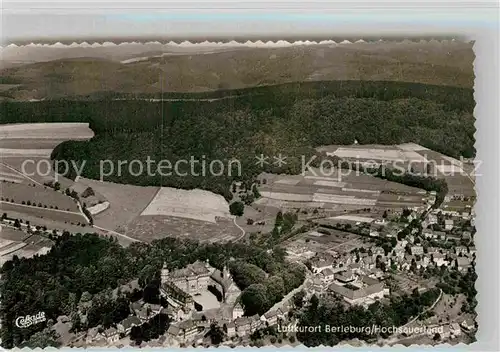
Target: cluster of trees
column 265, row 282
column 453, row 282
column 332, row 312
column 237, row 208
column 82, row 266
column 290, row 119
column 150, row 330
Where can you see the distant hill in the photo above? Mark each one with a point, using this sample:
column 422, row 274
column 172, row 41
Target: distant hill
column 89, row 71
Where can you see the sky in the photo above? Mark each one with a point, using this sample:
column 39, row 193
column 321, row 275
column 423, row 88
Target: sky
column 23, row 21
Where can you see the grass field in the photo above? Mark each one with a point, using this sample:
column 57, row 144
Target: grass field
column 64, row 217
column 151, row 227
column 15, row 242
column 126, row 202
column 36, row 195
column 335, row 192
column 46, row 131
column 51, row 224
column 190, row 204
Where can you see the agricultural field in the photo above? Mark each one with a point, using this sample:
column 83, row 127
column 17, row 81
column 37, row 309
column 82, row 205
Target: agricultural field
column 62, row 216
column 458, row 174
column 40, row 196
column 46, row 131
column 126, row 202
column 334, row 243
column 26, row 148
column 189, row 204
column 148, row 213
column 49, row 223
column 15, row 242
column 335, row 193
column 151, row 227
column 9, row 175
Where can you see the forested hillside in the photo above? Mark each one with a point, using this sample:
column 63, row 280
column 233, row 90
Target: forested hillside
column 79, row 268
column 291, row 119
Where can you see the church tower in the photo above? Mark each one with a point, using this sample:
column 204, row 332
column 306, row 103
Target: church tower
column 225, row 273
column 165, row 274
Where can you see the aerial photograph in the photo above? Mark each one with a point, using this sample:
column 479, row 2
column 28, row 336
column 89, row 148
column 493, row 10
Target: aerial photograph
column 204, row 193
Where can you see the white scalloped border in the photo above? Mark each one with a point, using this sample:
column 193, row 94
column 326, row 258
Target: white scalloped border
column 232, row 43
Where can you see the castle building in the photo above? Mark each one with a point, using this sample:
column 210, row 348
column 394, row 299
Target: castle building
column 195, row 279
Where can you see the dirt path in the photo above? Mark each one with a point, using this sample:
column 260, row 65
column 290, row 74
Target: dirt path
column 117, row 234
column 238, row 226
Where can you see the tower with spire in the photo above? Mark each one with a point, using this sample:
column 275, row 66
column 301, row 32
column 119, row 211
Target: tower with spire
column 165, row 273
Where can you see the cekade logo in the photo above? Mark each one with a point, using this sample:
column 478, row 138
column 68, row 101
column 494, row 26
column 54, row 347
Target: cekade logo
column 28, row 320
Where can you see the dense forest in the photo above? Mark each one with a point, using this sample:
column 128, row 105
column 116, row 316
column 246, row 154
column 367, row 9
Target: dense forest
column 291, row 119
column 80, row 267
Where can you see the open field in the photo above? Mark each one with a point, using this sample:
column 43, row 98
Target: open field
column 151, row 227
column 190, row 204
column 25, row 148
column 457, row 174
column 15, row 242
column 46, row 131
column 36, row 195
column 49, row 223
column 126, row 202
column 346, row 192
column 52, row 214
column 27, row 153
column 374, row 152
column 334, row 243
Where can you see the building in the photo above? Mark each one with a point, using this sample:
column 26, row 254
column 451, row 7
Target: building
column 432, row 219
column 417, row 250
column 455, row 330
column 327, row 274
column 111, row 335
column 195, row 279
column 237, row 311
column 466, row 235
column 126, row 325
column 183, row 331
column 246, row 325
column 223, row 281
column 270, row 317
column 319, row 265
column 345, row 276
column 439, row 259
column 363, row 291
column 93, row 335
column 430, row 234
column 231, row 329
column 468, row 324
column 462, row 263
column 448, row 224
